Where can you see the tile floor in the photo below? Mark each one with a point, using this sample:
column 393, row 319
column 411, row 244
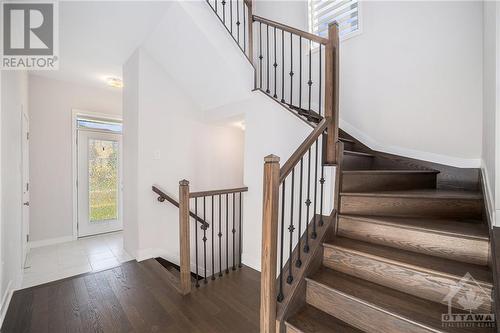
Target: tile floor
column 54, row 262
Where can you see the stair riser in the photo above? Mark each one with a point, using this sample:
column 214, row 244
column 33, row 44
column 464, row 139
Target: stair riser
column 353, row 162
column 358, row 314
column 411, row 207
column 425, row 284
column 469, row 250
column 387, row 182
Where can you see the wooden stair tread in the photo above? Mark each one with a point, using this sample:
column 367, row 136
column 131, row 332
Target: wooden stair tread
column 441, row 226
column 357, row 153
column 389, row 171
column 423, row 193
column 394, row 303
column 416, row 261
column 347, row 140
column 311, row 320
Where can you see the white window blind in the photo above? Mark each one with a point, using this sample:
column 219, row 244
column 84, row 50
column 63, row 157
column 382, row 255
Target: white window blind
column 323, row 12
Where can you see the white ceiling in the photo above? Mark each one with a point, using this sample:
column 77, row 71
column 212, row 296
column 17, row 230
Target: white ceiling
column 97, row 37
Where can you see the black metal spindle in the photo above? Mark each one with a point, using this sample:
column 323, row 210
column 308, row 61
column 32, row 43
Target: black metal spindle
column 267, row 56
column 282, row 66
column 240, row 233
column 298, row 263
column 282, row 231
column 314, row 234
column 275, row 65
column 260, row 54
column 291, row 228
column 223, row 11
column 204, row 228
column 220, row 235
column 238, row 20
column 231, row 14
column 309, row 83
column 308, row 200
column 322, row 182
column 196, row 240
column 234, row 235
column 227, row 233
column 319, row 82
column 300, row 72
column 216, row 8
column 245, row 30
column 213, row 240
column 291, row 69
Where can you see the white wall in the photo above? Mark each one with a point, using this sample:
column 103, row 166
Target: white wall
column 408, row 79
column 14, row 99
column 51, row 187
column 491, row 108
column 171, row 142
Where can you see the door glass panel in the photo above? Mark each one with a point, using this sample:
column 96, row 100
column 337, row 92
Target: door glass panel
column 103, row 180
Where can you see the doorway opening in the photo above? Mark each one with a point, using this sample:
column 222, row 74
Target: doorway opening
column 98, row 175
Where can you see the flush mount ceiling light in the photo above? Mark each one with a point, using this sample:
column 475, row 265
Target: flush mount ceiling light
column 114, row 82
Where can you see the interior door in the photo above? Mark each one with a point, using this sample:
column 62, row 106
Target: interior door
column 25, row 185
column 99, row 182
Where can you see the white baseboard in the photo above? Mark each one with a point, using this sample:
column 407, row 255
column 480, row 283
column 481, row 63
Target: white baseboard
column 6, row 297
column 251, row 262
column 50, row 241
column 410, row 153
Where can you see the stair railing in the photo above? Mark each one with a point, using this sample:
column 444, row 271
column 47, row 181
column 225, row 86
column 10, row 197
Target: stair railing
column 285, row 201
column 218, row 250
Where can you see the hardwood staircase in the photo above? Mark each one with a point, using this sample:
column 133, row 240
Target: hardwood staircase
column 402, row 243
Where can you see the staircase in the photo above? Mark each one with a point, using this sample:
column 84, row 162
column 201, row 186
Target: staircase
column 403, row 249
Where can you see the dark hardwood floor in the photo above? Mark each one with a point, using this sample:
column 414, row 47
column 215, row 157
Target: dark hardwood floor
column 134, row 298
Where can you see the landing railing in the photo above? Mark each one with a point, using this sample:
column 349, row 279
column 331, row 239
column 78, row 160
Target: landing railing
column 217, row 250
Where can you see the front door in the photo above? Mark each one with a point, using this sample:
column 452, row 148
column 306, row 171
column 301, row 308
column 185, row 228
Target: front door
column 99, row 182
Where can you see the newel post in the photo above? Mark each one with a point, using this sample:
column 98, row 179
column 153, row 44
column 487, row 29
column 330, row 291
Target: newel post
column 332, row 71
column 269, row 244
column 184, row 241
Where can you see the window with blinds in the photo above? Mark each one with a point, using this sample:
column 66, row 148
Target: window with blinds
column 323, row 12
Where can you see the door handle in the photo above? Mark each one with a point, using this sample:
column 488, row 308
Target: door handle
column 27, row 203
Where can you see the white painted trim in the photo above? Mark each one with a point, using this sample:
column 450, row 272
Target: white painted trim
column 410, row 153
column 490, row 207
column 50, row 241
column 251, row 262
column 6, row 298
column 74, row 167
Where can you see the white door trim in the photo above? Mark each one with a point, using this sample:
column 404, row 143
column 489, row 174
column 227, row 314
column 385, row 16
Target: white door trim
column 75, row 113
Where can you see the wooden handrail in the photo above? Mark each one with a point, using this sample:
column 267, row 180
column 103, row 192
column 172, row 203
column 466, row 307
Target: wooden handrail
column 287, row 28
column 162, row 196
column 297, row 155
column 217, row 192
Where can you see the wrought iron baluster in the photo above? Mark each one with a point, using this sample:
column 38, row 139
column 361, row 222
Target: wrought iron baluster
column 260, row 54
column 238, row 20
column 223, row 11
column 213, row 240
column 300, row 72
column 282, row 66
column 291, row 69
column 298, row 263
column 227, row 233
column 245, row 9
column 282, row 233
column 308, row 200
column 231, row 14
column 322, row 181
column 196, row 241
column 234, row 236
column 267, row 56
column 309, row 83
column 275, row 65
column 319, row 82
column 204, row 228
column 220, row 235
column 314, row 234
column 240, row 232
column 291, row 228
